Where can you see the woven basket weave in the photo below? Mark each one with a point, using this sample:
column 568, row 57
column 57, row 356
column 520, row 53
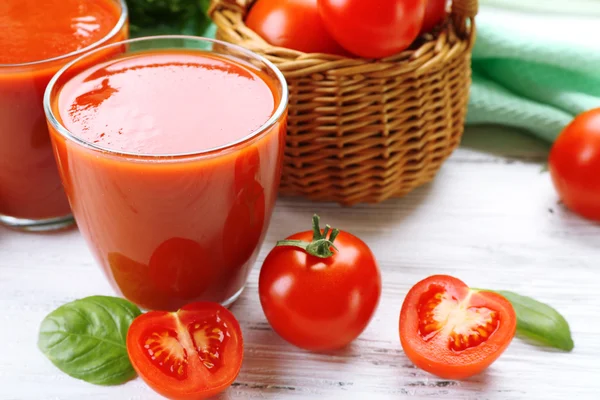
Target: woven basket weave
column 367, row 130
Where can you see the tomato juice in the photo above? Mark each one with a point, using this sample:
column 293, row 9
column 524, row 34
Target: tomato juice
column 36, row 41
column 171, row 156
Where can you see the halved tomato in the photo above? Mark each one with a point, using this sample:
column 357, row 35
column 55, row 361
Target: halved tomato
column 452, row 331
column 190, row 354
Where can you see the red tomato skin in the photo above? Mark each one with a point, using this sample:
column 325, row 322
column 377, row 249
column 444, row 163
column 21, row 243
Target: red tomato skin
column 189, row 389
column 293, row 24
column 574, row 165
column 320, row 304
column 441, row 361
column 373, row 29
column 435, row 13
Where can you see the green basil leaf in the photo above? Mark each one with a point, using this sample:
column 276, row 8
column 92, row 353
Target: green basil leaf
column 540, row 322
column 86, row 339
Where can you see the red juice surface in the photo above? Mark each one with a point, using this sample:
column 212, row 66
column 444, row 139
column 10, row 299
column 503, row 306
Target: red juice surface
column 170, row 229
column 34, row 31
column 165, row 103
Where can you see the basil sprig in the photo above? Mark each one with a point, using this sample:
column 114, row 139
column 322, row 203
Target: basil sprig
column 86, row 339
column 539, row 322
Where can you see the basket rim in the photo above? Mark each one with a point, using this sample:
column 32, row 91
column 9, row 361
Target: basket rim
column 450, row 27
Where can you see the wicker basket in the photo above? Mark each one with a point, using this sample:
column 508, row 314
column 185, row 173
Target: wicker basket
column 367, row 130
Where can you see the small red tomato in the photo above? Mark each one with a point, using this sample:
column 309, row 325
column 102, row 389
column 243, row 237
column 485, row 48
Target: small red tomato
column 435, row 13
column 293, row 24
column 452, row 331
column 574, row 164
column 190, row 354
column 373, row 29
column 317, row 296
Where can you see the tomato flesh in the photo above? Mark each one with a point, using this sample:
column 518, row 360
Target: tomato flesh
column 463, row 326
column 193, row 353
column 165, row 352
column 452, row 331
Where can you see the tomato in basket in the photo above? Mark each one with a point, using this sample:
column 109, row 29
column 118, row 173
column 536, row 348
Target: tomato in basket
column 435, row 13
column 373, row 28
column 293, row 24
column 453, row 331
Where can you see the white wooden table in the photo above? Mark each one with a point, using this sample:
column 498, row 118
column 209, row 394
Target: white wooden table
column 490, row 218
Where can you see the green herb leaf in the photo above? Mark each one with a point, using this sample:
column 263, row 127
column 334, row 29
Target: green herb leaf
column 86, row 339
column 164, row 17
column 540, row 322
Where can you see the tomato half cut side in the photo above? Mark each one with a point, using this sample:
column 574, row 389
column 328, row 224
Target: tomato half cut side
column 452, row 331
column 190, row 354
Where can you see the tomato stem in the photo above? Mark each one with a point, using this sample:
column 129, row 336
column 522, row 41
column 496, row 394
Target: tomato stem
column 321, row 245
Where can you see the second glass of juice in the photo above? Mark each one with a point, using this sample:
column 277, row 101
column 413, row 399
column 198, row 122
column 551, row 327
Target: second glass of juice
column 38, row 38
column 171, row 156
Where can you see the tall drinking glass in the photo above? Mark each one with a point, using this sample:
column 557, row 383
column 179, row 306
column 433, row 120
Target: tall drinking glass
column 174, row 182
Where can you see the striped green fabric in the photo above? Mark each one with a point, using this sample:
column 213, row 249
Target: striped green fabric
column 534, row 71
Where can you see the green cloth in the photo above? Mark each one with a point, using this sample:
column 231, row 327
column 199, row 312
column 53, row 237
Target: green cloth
column 574, row 7
column 534, row 71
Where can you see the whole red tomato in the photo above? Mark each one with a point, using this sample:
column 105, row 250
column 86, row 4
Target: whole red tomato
column 190, row 354
column 574, row 164
column 373, row 28
column 316, row 296
column 435, row 13
column 452, row 331
column 293, row 24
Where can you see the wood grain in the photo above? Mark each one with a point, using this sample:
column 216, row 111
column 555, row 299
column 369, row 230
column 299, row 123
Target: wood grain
column 491, row 218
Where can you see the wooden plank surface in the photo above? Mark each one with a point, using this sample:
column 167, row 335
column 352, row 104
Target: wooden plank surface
column 490, row 218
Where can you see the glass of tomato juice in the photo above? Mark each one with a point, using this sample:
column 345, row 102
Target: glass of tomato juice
column 171, row 155
column 36, row 41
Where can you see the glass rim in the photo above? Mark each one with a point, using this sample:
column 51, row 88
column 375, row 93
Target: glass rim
column 118, row 26
column 272, row 121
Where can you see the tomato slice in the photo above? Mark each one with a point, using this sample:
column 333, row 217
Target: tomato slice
column 190, row 354
column 452, row 331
